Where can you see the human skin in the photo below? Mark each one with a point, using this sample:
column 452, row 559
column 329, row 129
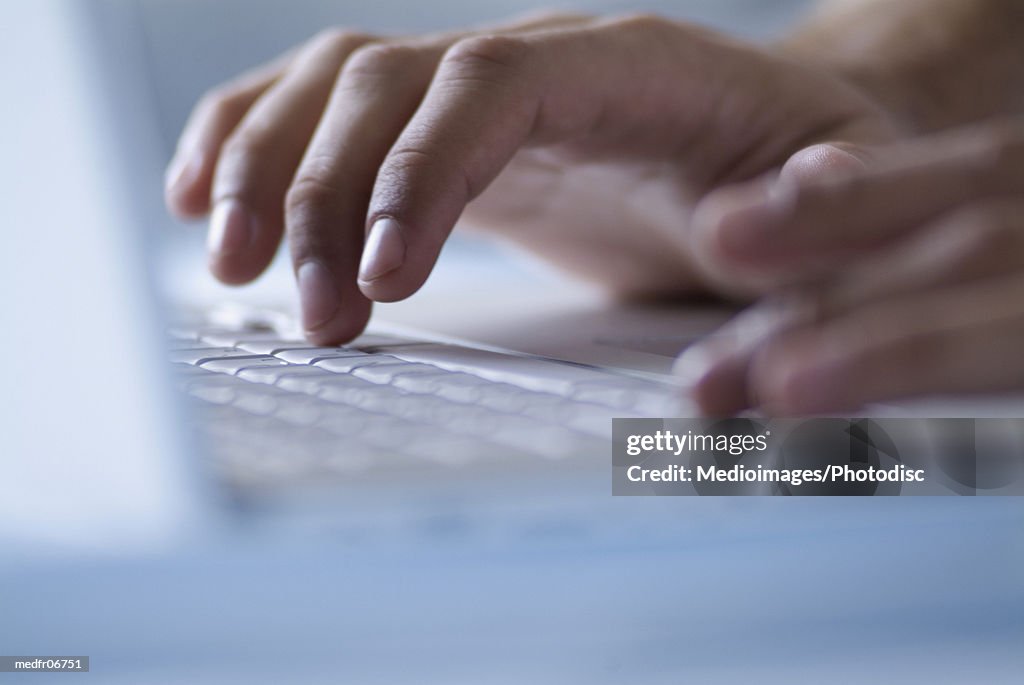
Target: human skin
column 627, row 151
column 897, row 275
column 587, row 140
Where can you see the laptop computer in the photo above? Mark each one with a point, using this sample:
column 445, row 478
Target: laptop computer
column 275, row 418
column 167, row 556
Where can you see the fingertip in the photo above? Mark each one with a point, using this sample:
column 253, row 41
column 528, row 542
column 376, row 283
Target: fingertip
column 348, row 323
column 716, row 380
column 187, row 186
column 391, row 288
column 240, row 243
column 734, row 270
column 392, row 269
column 230, row 235
column 797, row 376
column 384, row 251
column 722, row 391
column 340, row 330
column 825, row 160
column 331, row 314
column 735, row 223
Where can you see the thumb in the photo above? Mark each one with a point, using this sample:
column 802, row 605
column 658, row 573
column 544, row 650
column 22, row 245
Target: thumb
column 733, row 203
column 825, row 159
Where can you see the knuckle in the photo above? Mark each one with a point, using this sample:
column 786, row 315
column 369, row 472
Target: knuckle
column 247, row 144
column 336, row 40
column 408, row 158
column 402, row 164
column 485, row 56
column 377, row 62
column 549, row 16
column 638, row 20
column 219, row 102
column 309, row 197
column 406, row 167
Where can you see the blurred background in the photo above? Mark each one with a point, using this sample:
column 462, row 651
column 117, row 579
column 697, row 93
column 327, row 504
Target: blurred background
column 198, row 43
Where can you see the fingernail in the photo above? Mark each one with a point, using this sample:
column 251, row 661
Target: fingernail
column 181, row 171
column 694, row 363
column 804, row 384
column 750, row 227
column 231, row 228
column 384, row 251
column 318, row 294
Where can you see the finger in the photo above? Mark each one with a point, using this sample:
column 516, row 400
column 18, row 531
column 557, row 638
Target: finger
column 190, row 172
column 715, row 370
column 803, row 223
column 962, row 342
column 824, row 160
column 836, row 160
column 491, row 96
column 981, row 241
column 259, row 159
column 376, row 93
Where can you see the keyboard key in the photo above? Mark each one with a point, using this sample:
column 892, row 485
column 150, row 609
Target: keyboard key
column 215, row 394
column 461, row 387
column 526, row 372
column 512, row 399
column 546, row 441
column 448, row 449
column 299, row 409
column 648, row 398
column 231, row 337
column 257, row 399
column 552, row 408
column 198, row 355
column 358, row 393
column 374, row 340
column 392, row 434
column 347, row 364
column 427, row 409
column 313, row 384
column 270, row 345
column 233, row 365
column 310, row 355
column 277, row 407
column 272, row 373
column 595, row 423
column 175, row 344
column 352, row 422
column 386, row 372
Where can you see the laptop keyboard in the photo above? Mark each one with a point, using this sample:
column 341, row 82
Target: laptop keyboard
column 270, row 407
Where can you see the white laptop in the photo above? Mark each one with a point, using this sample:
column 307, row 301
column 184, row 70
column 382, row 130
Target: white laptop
column 261, row 414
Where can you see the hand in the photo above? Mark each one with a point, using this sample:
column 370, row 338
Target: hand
column 587, row 140
column 908, row 272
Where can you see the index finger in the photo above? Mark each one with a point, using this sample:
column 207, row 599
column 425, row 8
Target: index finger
column 493, row 95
